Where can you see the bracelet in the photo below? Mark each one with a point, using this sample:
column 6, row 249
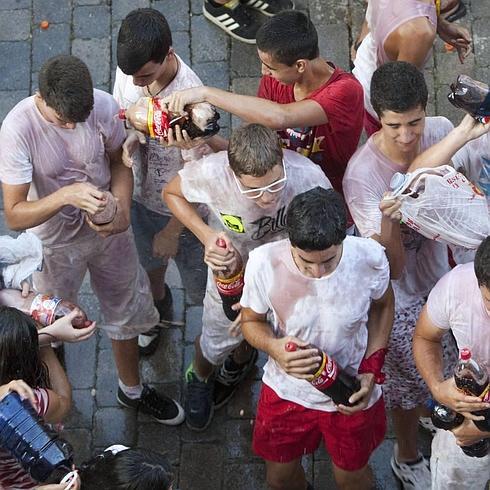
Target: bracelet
column 438, row 7
column 374, row 364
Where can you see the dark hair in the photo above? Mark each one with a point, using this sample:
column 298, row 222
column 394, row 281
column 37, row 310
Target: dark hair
column 19, row 349
column 144, row 36
column 288, row 36
column 482, row 263
column 316, row 219
column 130, row 469
column 66, row 86
column 398, row 86
column 253, row 150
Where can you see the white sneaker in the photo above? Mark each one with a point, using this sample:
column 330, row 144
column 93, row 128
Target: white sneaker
column 412, row 476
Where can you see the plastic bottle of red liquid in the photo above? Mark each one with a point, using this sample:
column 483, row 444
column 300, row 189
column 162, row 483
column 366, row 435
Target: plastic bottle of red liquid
column 43, row 308
column 329, row 378
column 445, row 418
column 230, row 283
column 472, row 378
column 105, row 216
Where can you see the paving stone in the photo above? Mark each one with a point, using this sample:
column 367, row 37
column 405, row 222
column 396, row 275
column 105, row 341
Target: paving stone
column 81, row 442
column 121, row 8
column 449, row 67
column 193, row 322
column 244, row 476
column 107, row 381
column 15, row 25
column 4, row 230
column 96, row 54
column 162, row 438
column 80, row 363
column 239, row 440
column 90, row 305
column 14, row 4
column 9, row 99
column 478, row 9
column 176, row 12
column 201, row 463
column 51, row 10
column 15, row 75
column 215, row 433
column 114, row 426
column 209, row 42
column 92, row 2
column 196, row 7
column 182, row 44
column 337, row 51
column 166, row 364
column 445, row 108
column 91, row 21
column 214, row 74
column 114, row 32
column 48, row 43
column 244, row 60
column 178, row 305
column 244, row 402
column 328, row 11
column 82, row 410
column 481, row 42
column 245, row 86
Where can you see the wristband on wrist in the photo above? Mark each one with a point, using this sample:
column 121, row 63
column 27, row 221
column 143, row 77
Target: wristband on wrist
column 374, row 364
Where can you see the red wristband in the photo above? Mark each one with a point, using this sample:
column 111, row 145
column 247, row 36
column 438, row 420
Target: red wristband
column 374, row 364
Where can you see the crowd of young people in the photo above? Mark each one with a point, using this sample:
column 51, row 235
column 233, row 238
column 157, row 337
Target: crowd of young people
column 329, row 266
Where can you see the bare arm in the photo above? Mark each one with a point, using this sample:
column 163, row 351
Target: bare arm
column 252, row 109
column 427, row 351
column 380, row 322
column 60, row 394
column 21, row 214
column 442, row 152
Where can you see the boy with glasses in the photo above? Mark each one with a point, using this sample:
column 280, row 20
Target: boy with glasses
column 247, row 189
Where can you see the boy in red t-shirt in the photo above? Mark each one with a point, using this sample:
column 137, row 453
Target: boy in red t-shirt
column 316, row 108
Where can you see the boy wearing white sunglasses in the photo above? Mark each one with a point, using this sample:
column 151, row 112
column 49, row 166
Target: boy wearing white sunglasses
column 247, row 190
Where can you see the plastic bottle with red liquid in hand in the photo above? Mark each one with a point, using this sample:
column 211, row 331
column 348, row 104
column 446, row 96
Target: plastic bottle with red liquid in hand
column 444, row 418
column 472, row 378
column 329, row 378
column 43, row 308
column 471, row 96
column 150, row 116
column 230, row 283
column 107, row 214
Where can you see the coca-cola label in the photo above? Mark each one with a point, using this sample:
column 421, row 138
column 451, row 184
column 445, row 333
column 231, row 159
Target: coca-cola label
column 43, row 307
column 326, row 375
column 232, row 286
column 157, row 119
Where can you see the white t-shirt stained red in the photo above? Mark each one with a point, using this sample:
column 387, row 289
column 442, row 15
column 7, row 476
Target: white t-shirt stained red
column 330, row 312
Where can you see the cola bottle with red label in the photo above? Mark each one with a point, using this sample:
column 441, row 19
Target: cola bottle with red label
column 472, row 378
column 445, row 418
column 43, row 308
column 329, row 378
column 230, row 283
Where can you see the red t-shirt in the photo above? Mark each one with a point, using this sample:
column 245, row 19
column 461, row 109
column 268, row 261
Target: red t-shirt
column 329, row 145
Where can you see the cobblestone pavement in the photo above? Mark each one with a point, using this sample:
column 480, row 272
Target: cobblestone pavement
column 219, row 458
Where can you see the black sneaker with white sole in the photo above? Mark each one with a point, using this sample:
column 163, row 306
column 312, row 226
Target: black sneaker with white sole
column 199, row 408
column 160, row 407
column 148, row 341
column 229, row 376
column 233, row 19
column 269, row 7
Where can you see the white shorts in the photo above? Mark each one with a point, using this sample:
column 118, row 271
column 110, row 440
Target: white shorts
column 451, row 469
column 118, row 280
column 216, row 343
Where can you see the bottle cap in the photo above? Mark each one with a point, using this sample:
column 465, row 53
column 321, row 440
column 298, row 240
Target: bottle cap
column 397, row 181
column 122, row 114
column 221, row 243
column 465, row 354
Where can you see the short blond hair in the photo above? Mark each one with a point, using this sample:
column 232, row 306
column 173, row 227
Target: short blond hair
column 254, row 150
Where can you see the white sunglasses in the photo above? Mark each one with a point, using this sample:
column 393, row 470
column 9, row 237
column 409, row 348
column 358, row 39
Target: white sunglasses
column 276, row 186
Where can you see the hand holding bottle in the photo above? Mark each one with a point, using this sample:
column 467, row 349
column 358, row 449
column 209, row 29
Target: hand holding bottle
column 134, row 139
column 216, row 257
column 295, row 356
column 468, row 433
column 64, row 331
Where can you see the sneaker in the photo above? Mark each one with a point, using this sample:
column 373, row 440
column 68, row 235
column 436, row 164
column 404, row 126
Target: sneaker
column 412, row 476
column 229, row 376
column 426, row 424
column 269, row 7
column 161, row 408
column 233, row 19
column 199, row 407
column 148, row 341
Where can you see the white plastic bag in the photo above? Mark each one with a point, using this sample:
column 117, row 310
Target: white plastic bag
column 19, row 258
column 442, row 204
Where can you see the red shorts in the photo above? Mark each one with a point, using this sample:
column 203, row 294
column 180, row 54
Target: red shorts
column 285, row 431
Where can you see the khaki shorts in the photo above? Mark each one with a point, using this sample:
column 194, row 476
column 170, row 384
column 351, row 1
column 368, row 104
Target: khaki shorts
column 117, row 278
